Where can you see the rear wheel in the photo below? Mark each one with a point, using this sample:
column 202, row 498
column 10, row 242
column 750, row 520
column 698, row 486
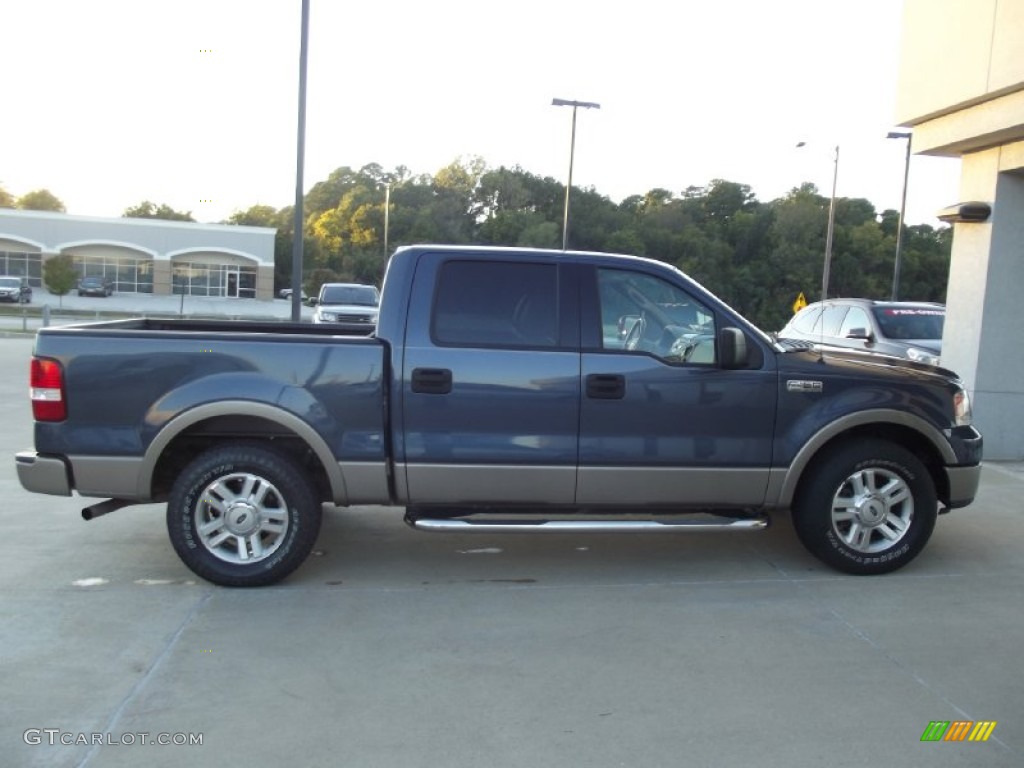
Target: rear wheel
column 243, row 515
column 867, row 507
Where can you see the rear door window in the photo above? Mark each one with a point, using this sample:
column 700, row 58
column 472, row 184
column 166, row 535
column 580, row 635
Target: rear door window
column 496, row 304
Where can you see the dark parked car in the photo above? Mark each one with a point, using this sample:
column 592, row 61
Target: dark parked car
column 906, row 329
column 95, row 286
column 286, row 293
column 15, row 289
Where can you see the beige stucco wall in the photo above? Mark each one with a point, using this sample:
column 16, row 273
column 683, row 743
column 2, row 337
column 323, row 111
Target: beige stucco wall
column 961, row 89
column 214, row 258
column 265, row 283
column 957, row 52
column 17, row 246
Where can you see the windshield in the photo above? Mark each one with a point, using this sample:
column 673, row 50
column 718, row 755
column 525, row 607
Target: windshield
column 905, row 323
column 10, row 282
column 362, row 295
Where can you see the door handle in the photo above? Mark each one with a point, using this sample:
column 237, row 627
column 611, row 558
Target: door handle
column 606, row 386
column 432, row 381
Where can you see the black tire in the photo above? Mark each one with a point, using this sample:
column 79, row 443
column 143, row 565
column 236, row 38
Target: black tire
column 243, row 515
column 866, row 508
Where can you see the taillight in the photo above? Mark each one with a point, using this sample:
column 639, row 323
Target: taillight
column 46, row 383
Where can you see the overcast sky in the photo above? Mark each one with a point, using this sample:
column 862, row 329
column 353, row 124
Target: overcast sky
column 193, row 103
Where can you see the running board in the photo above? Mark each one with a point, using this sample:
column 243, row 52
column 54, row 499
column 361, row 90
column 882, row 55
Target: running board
column 448, row 525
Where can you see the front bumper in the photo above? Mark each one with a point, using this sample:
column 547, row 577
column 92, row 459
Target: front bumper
column 43, row 474
column 963, row 485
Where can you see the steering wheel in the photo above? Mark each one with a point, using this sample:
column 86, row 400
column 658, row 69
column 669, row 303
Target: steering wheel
column 636, row 333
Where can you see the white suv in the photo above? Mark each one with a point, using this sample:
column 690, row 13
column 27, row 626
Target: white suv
column 352, row 305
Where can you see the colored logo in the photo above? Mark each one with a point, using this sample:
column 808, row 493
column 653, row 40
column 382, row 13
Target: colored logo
column 959, row 730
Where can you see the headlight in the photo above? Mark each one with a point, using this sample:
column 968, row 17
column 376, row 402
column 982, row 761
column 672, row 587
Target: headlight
column 922, row 356
column 962, row 416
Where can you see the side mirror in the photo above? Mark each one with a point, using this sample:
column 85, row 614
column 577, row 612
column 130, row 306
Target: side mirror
column 732, row 348
column 859, row 333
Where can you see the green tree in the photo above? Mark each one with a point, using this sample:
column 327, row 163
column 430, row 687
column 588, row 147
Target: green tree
column 757, row 256
column 40, row 200
column 256, row 216
column 149, row 210
column 59, row 275
column 6, row 198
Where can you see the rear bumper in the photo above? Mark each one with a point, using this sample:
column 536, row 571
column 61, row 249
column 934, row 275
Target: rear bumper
column 43, row 474
column 963, row 485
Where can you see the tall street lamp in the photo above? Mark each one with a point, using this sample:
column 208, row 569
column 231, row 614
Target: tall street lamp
column 387, row 214
column 300, row 154
column 903, row 207
column 831, row 224
column 572, row 152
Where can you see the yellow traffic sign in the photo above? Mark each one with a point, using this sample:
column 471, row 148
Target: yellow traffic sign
column 800, row 303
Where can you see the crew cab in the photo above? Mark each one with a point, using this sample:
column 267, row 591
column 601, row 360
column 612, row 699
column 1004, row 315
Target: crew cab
column 502, row 390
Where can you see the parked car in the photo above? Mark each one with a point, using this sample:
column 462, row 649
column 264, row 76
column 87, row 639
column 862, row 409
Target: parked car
column 907, row 329
column 15, row 289
column 350, row 304
column 286, row 293
column 95, row 285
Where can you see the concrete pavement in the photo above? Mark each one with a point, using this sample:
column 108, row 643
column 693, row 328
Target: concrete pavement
column 392, row 648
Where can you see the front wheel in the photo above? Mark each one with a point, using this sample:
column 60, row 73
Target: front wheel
column 868, row 508
column 243, row 515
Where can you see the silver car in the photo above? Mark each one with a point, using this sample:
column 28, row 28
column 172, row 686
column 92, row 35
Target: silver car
column 15, row 289
column 908, row 329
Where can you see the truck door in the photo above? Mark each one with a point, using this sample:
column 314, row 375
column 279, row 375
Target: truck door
column 661, row 422
column 490, row 382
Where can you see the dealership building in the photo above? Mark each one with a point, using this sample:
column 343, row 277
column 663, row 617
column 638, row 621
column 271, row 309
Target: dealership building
column 961, row 90
column 143, row 255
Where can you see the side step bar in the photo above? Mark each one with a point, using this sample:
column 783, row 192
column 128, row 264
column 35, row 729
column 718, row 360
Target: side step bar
column 449, row 525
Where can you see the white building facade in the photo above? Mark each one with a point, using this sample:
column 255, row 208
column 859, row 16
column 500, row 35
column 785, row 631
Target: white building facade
column 143, row 255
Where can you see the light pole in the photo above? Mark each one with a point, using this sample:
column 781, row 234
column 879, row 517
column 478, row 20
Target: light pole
column 300, row 154
column 903, row 207
column 831, row 224
column 387, row 213
column 572, row 152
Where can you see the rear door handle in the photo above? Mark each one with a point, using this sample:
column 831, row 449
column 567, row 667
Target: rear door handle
column 432, row 381
column 606, row 386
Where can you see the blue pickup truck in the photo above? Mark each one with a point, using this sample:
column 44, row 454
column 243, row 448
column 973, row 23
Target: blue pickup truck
column 502, row 390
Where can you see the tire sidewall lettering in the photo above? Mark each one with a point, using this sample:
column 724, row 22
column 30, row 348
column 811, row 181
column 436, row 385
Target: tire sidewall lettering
column 813, row 509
